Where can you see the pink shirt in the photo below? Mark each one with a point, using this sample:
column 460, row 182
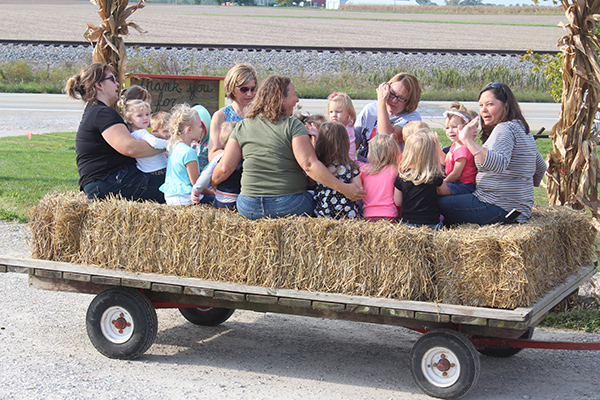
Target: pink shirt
column 470, row 171
column 379, row 200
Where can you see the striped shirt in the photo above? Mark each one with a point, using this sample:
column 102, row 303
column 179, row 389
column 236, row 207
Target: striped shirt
column 512, row 167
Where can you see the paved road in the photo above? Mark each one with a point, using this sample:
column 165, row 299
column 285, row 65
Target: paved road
column 46, row 113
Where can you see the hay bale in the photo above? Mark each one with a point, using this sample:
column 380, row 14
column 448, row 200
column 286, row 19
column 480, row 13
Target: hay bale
column 495, row 266
column 509, row 266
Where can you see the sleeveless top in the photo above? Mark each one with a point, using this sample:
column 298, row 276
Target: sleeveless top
column 230, row 114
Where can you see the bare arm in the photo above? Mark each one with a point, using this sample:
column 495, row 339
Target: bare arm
column 308, row 161
column 398, row 198
column 231, row 158
column 384, row 125
column 459, row 166
column 120, row 139
column 214, row 144
column 192, row 170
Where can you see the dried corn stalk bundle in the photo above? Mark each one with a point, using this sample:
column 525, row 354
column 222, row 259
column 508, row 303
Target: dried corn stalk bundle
column 573, row 163
column 509, row 266
column 110, row 48
column 495, row 266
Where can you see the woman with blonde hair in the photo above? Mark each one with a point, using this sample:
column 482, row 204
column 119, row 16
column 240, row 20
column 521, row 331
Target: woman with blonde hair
column 240, row 87
column 106, row 151
column 277, row 155
column 397, row 102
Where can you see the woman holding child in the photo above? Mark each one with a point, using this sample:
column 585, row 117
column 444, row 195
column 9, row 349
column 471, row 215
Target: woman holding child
column 106, row 151
column 508, row 163
column 277, row 153
column 397, row 102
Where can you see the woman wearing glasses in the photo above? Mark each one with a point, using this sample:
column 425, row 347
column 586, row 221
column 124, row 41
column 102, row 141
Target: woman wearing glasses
column 277, row 155
column 240, row 87
column 106, row 151
column 508, row 163
column 397, row 102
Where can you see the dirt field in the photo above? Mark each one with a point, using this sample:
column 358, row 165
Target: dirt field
column 67, row 19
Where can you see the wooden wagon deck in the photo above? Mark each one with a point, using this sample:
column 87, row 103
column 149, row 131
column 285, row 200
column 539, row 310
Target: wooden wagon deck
column 173, row 291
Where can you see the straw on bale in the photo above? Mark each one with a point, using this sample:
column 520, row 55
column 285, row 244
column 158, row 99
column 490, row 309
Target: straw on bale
column 495, row 266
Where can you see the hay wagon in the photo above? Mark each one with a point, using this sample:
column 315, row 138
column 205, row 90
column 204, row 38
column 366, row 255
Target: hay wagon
column 121, row 320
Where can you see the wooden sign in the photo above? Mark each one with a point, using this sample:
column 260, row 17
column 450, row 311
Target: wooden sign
column 169, row 90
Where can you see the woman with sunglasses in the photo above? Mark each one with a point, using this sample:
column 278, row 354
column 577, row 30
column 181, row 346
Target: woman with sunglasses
column 106, row 151
column 277, row 155
column 240, row 87
column 508, row 163
column 397, row 102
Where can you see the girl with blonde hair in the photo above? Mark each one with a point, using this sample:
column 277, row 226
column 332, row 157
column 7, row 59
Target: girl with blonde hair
column 186, row 126
column 419, row 176
column 340, row 109
column 378, row 179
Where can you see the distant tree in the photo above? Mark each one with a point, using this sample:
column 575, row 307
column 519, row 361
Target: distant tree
column 284, row 3
column 426, row 3
column 246, row 2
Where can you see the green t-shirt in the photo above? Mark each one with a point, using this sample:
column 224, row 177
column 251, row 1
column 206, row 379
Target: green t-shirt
column 269, row 166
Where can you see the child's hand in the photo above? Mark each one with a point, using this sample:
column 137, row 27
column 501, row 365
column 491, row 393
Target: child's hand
column 195, row 196
column 312, row 129
column 469, row 131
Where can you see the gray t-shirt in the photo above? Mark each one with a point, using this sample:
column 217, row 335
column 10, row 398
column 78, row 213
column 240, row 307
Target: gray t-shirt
column 365, row 127
column 512, row 167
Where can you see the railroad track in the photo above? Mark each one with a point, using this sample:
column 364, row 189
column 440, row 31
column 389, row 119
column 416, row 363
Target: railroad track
column 57, row 43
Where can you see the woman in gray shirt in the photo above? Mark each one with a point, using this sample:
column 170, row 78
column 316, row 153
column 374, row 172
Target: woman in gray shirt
column 508, row 163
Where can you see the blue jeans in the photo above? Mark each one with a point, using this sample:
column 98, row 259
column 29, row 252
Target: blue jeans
column 457, row 187
column 466, row 208
column 129, row 182
column 274, row 207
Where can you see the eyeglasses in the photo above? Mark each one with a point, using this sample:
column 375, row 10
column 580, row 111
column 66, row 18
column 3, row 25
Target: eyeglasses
column 245, row 89
column 496, row 85
column 400, row 99
column 111, row 77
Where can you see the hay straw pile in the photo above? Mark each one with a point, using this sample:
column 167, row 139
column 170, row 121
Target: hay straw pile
column 496, row 266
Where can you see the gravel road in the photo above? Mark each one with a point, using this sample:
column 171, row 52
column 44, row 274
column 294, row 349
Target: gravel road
column 45, row 354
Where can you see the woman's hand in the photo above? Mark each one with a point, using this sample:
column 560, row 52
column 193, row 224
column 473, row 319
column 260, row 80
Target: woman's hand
column 354, row 192
column 469, row 132
column 383, row 92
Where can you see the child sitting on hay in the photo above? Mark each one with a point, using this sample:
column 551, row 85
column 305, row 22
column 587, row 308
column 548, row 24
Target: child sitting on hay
column 332, row 149
column 226, row 192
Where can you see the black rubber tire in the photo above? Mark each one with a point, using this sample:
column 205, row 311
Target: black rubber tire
column 139, row 313
column 504, row 352
column 206, row 316
column 464, row 364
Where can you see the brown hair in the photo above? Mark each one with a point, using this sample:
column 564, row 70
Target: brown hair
column 83, row 85
column 238, row 76
column 413, row 87
column 333, row 144
column 512, row 110
column 269, row 98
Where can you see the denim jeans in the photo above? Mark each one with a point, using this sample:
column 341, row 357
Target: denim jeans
column 129, row 182
column 466, row 208
column 274, row 207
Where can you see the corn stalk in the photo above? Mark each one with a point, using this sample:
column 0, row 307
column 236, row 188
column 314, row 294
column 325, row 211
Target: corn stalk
column 573, row 169
column 110, row 48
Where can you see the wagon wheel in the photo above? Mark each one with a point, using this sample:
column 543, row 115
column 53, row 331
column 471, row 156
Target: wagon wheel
column 206, row 316
column 444, row 364
column 121, row 323
column 503, row 352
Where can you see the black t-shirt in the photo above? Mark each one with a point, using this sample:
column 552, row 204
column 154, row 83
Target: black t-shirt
column 419, row 203
column 96, row 159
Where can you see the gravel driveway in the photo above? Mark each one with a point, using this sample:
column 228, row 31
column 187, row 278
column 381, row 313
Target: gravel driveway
column 45, row 354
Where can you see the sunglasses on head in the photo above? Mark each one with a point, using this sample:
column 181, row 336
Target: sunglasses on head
column 245, row 89
column 497, row 85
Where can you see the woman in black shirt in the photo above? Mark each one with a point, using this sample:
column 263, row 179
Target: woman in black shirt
column 105, row 149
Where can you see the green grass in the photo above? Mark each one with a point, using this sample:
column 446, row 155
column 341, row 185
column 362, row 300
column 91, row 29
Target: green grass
column 580, row 318
column 30, row 169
